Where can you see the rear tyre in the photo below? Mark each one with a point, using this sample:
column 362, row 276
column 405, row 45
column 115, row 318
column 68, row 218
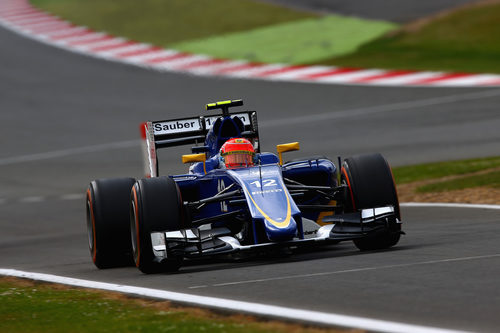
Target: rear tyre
column 156, row 206
column 371, row 184
column 108, row 227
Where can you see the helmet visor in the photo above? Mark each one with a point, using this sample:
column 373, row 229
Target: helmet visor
column 238, row 160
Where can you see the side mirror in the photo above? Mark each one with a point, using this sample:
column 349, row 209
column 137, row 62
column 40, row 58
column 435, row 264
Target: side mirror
column 199, row 149
column 247, row 134
column 191, row 158
column 286, row 147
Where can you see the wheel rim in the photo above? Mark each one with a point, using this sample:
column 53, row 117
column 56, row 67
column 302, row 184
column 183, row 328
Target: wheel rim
column 90, row 227
column 133, row 231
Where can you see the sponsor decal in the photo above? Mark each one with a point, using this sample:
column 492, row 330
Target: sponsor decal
column 191, row 124
column 267, row 191
column 185, row 178
column 177, row 126
column 221, row 186
column 266, row 183
column 209, row 121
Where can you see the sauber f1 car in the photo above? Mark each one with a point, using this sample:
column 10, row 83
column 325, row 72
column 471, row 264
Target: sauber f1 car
column 217, row 208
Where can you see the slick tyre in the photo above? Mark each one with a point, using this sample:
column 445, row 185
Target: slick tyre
column 371, row 184
column 156, row 205
column 108, row 227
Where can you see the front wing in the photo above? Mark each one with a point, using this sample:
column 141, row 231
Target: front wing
column 193, row 243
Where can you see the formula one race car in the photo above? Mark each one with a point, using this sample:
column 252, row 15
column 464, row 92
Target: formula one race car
column 236, row 198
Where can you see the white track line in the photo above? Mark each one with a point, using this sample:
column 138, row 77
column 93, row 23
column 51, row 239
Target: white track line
column 449, row 205
column 355, row 270
column 316, row 317
column 363, row 111
column 72, row 196
column 270, row 123
column 32, row 199
column 69, row 152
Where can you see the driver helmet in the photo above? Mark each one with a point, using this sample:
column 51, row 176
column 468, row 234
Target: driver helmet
column 237, row 153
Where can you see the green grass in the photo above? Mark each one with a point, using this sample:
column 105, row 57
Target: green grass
column 26, row 306
column 490, row 179
column 163, row 22
column 465, row 41
column 230, row 29
column 294, row 42
column 408, row 174
column 463, row 171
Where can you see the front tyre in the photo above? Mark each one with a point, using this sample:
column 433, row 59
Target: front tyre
column 156, row 205
column 108, row 225
column 371, row 184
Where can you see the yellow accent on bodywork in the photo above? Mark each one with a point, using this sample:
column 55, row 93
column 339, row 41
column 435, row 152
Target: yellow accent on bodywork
column 286, row 147
column 213, row 105
column 283, row 224
column 191, row 158
column 323, row 214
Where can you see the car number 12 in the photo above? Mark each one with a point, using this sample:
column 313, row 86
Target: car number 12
column 265, row 183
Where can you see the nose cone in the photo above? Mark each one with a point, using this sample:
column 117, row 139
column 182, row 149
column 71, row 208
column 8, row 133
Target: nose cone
column 269, row 200
column 280, row 234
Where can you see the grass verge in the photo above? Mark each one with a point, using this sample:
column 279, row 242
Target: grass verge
column 489, row 179
column 163, row 22
column 466, row 181
column 243, row 29
column 294, row 42
column 408, row 174
column 28, row 306
column 465, row 40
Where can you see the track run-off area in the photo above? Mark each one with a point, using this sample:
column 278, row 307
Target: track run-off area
column 68, row 118
column 20, row 16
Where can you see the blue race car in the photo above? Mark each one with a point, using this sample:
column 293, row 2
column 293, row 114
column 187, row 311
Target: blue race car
column 236, row 198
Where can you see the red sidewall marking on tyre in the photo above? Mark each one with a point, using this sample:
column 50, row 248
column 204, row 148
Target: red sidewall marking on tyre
column 350, row 188
column 92, row 217
column 138, row 247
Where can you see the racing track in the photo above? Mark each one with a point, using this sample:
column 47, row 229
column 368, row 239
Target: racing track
column 66, row 119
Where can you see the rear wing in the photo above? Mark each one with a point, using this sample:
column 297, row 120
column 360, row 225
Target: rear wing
column 185, row 131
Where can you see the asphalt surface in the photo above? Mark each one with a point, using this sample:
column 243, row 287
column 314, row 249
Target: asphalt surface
column 67, row 119
column 400, row 11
